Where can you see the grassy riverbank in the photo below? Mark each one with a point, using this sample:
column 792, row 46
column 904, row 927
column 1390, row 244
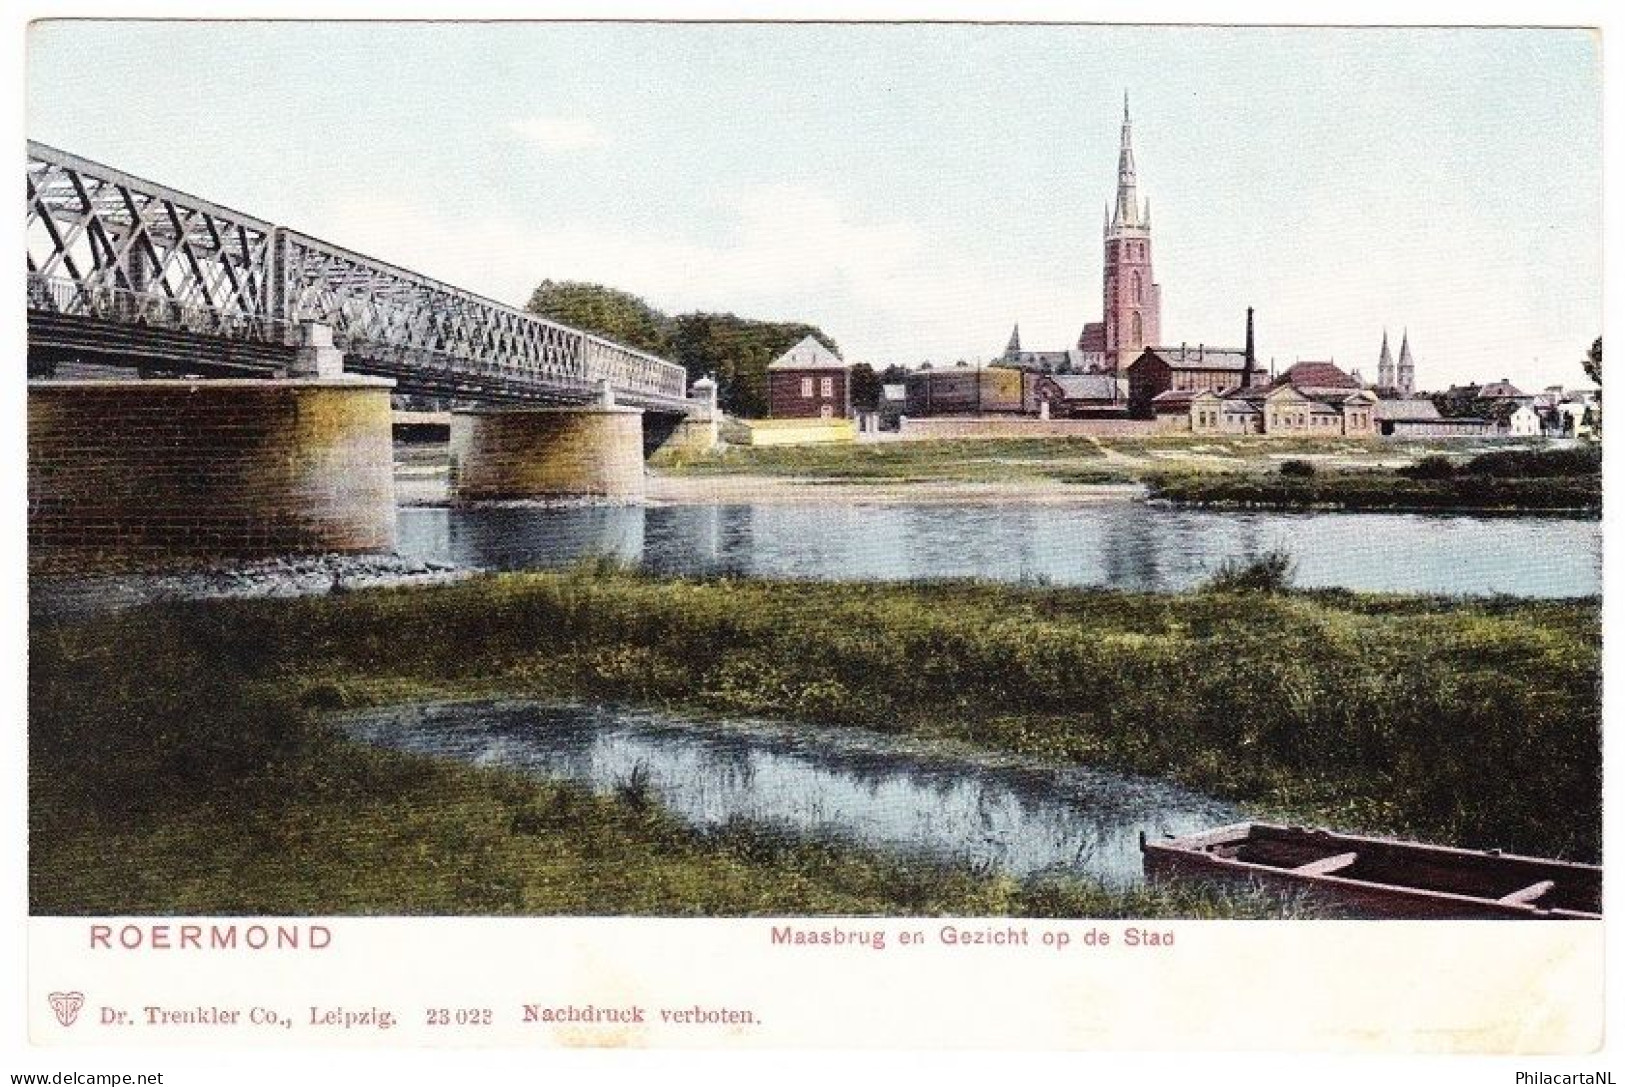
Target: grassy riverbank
column 991, row 460
column 172, row 773
column 1376, row 491
column 1069, row 460
column 1209, row 471
column 1564, row 480
column 176, row 762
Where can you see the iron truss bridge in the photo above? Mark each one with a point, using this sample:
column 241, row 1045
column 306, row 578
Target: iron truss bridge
column 125, row 271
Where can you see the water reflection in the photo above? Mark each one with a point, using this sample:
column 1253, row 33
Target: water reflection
column 1121, row 545
column 847, row 784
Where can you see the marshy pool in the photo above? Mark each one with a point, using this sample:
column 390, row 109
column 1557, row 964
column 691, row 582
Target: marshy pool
column 990, row 811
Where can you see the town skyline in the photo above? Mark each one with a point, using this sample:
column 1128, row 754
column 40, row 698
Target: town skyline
column 1444, row 183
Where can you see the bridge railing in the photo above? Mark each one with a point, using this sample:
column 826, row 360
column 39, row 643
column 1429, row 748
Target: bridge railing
column 98, row 301
column 384, row 312
column 624, row 367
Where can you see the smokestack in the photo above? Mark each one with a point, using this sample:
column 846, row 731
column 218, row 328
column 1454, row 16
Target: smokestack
column 1247, row 359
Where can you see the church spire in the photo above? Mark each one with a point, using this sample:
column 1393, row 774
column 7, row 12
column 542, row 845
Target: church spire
column 1013, row 348
column 1407, row 366
column 1128, row 210
column 1385, row 365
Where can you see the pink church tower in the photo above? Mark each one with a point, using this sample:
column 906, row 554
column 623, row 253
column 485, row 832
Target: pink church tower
column 1132, row 303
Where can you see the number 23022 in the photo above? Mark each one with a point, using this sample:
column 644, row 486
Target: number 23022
column 462, row 1017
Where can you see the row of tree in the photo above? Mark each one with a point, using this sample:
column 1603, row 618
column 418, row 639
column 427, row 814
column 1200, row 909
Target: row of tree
column 734, row 350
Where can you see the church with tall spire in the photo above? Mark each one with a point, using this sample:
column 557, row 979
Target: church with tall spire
column 1131, row 298
column 1131, row 302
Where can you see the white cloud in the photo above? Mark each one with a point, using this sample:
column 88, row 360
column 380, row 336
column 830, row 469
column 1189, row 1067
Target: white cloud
column 888, row 290
column 560, row 133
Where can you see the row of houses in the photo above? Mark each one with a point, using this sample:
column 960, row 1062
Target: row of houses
column 1199, row 389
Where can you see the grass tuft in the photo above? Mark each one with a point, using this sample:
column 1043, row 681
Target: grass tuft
column 1271, row 572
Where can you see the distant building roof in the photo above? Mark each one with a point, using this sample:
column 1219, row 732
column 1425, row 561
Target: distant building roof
column 1039, row 358
column 1450, row 420
column 1091, row 386
column 809, row 354
column 1172, row 399
column 1501, row 390
column 1407, row 410
column 1201, row 357
column 1316, row 375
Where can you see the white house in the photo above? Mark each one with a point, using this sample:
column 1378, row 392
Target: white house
column 1525, row 422
column 1573, row 413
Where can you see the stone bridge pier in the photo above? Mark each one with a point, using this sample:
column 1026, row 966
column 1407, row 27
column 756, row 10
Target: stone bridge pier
column 230, row 468
column 506, row 453
column 592, row 451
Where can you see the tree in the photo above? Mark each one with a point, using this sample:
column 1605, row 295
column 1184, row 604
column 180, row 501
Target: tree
column 1593, row 368
column 603, row 311
column 894, row 375
column 734, row 350
column 865, row 387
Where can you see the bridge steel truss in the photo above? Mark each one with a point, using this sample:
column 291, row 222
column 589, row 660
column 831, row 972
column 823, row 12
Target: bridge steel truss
column 127, row 269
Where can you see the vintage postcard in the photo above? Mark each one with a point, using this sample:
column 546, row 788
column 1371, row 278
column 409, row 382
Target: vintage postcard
column 759, row 535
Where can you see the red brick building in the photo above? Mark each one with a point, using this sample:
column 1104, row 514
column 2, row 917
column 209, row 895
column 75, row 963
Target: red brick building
column 1313, row 377
column 1186, row 369
column 1164, row 380
column 809, row 381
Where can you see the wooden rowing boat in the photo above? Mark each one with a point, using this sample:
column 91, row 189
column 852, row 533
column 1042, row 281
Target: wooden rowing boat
column 1381, row 877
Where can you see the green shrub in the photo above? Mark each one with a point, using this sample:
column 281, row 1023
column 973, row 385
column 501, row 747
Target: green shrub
column 1271, row 572
column 1537, row 463
column 1299, row 468
column 1430, row 467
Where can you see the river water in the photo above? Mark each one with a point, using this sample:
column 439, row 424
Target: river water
column 1115, row 544
column 851, row 785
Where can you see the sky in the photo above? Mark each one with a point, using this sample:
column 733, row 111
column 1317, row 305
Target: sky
column 913, row 190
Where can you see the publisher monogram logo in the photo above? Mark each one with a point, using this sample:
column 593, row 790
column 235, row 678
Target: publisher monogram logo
column 66, row 1006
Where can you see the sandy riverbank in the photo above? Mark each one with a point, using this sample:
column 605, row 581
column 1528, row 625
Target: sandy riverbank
column 416, row 486
column 714, row 490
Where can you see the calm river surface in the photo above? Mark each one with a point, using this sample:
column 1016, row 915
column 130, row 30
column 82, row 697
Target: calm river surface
column 1120, row 545
column 848, row 784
